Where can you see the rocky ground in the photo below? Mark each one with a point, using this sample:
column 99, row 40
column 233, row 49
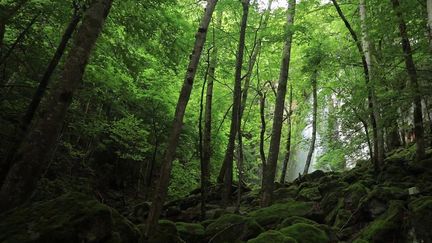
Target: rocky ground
column 353, row 206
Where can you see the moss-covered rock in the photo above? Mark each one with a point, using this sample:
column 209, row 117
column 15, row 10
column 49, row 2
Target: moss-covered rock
column 165, row 232
column 276, row 213
column 190, row 232
column 73, row 217
column 309, row 194
column 305, row 233
column 295, row 220
column 285, row 193
column 387, row 227
column 272, row 236
column 232, row 228
column 354, row 194
column 421, row 218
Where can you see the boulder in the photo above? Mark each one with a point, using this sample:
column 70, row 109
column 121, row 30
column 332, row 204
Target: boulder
column 190, row 232
column 388, row 227
column 272, row 236
column 232, row 228
column 421, row 218
column 305, row 233
column 73, row 217
column 276, row 213
column 309, row 194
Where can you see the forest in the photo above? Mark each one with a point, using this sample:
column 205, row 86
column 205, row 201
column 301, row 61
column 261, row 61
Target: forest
column 260, row 121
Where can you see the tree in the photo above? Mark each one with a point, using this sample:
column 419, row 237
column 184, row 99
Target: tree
column 271, row 164
column 288, row 142
column 206, row 143
column 31, row 160
column 314, row 118
column 235, row 116
column 412, row 74
column 40, row 91
column 373, row 119
column 162, row 185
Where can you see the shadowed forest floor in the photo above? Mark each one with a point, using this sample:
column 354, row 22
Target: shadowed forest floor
column 352, row 206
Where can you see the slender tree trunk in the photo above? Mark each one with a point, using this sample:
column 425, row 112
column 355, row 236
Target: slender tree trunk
column 228, row 160
column 263, row 129
column 375, row 157
column 429, row 12
column 415, row 89
column 288, row 143
column 31, row 160
column 314, row 122
column 271, row 165
column 37, row 97
column 206, row 156
column 165, row 172
column 367, row 50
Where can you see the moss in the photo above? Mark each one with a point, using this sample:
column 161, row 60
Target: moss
column 305, row 233
column 421, row 217
column 309, row 194
column 295, row 220
column 354, row 194
column 73, row 217
column 232, row 228
column 277, row 212
column 285, row 193
column 165, row 232
column 387, row 226
column 272, row 236
column 190, row 232
column 342, row 218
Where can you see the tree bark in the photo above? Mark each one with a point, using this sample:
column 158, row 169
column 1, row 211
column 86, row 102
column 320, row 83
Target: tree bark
column 235, row 121
column 40, row 91
column 412, row 74
column 165, row 172
column 288, row 143
column 375, row 157
column 32, row 157
column 271, row 165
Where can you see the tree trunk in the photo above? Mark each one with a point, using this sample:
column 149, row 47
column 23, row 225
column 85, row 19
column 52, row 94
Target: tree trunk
column 235, row 121
column 412, row 73
column 32, row 157
column 367, row 50
column 314, row 122
column 270, row 168
column 288, row 143
column 263, row 129
column 165, row 171
column 374, row 157
column 40, row 91
column 206, row 156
